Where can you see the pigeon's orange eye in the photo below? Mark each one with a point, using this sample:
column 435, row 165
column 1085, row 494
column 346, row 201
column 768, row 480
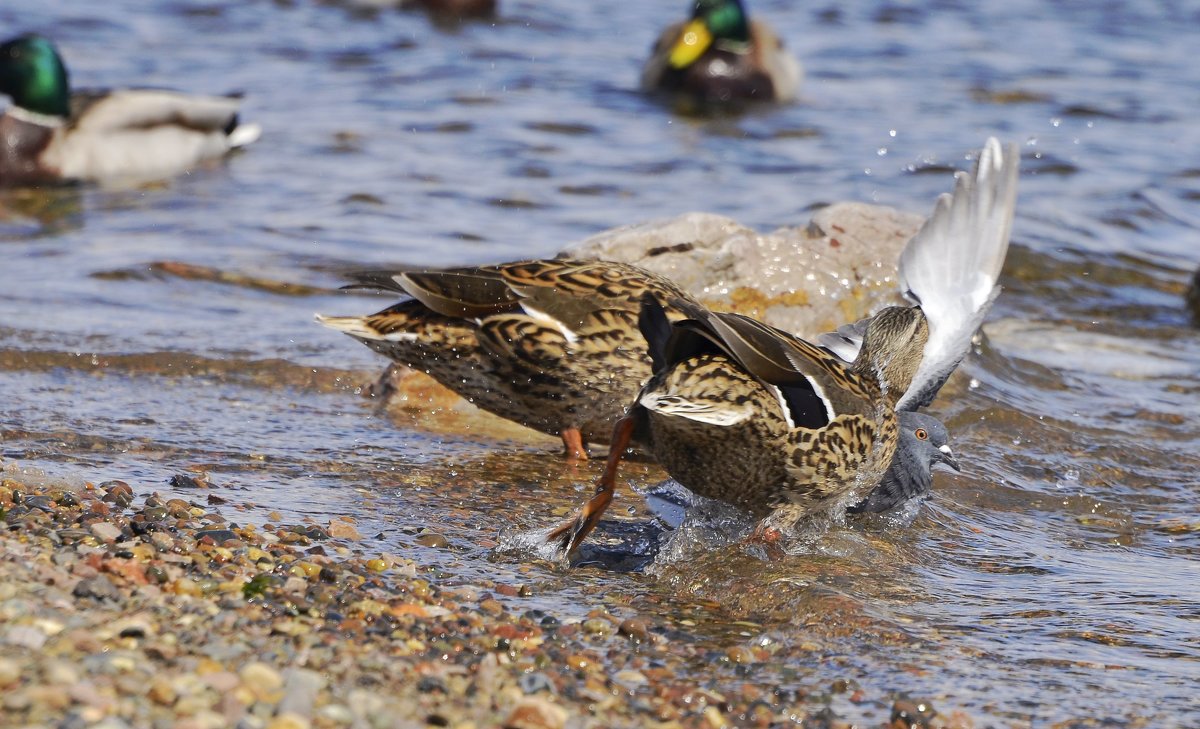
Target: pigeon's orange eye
column 921, row 434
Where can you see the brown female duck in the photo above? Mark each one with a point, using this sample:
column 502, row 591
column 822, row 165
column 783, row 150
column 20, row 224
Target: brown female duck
column 551, row 344
column 746, row 413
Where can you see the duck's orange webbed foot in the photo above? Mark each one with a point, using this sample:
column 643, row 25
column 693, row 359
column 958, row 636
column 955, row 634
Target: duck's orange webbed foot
column 573, row 446
column 567, row 537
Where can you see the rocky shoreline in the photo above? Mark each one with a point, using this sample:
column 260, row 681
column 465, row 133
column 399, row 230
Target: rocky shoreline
column 123, row 608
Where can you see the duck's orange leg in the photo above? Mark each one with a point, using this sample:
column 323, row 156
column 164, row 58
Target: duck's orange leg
column 573, row 444
column 571, row 533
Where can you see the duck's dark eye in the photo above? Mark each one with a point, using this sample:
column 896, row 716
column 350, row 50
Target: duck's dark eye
column 921, row 434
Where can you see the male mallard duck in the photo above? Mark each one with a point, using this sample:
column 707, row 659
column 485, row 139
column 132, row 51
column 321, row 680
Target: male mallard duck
column 721, row 56
column 743, row 412
column 52, row 134
column 552, row 345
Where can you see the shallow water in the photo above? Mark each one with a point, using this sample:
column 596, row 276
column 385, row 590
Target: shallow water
column 1056, row 578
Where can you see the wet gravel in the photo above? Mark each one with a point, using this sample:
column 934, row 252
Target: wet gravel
column 122, row 608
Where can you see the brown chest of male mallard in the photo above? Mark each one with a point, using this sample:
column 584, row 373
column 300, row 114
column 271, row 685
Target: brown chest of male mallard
column 740, row 411
column 52, row 134
column 552, row 344
column 720, row 56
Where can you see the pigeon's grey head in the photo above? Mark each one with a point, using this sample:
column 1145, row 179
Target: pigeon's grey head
column 923, row 444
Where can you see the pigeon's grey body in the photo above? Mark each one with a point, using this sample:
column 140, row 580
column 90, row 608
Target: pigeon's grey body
column 923, row 444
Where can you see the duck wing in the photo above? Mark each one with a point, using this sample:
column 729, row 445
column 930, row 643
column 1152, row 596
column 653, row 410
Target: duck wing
column 99, row 110
column 815, row 386
column 571, row 292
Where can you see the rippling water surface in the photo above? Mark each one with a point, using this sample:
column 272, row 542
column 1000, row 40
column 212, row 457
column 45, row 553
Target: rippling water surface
column 1056, row 579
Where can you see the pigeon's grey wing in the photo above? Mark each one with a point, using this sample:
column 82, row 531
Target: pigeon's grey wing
column 846, row 341
column 950, row 267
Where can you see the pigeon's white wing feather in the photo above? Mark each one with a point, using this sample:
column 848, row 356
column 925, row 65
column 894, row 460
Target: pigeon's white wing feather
column 950, row 267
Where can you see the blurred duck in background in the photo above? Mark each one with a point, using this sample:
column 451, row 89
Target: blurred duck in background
column 719, row 57
column 50, row 133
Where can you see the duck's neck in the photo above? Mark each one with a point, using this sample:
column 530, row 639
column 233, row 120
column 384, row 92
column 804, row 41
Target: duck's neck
column 892, row 349
column 32, row 117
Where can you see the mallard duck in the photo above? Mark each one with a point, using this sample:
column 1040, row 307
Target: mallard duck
column 51, row 134
column 720, row 55
column 742, row 412
column 551, row 344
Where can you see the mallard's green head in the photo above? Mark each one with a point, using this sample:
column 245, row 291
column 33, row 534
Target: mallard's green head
column 713, row 21
column 34, row 76
column 725, row 19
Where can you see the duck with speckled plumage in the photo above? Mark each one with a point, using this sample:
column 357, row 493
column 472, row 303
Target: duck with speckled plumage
column 745, row 413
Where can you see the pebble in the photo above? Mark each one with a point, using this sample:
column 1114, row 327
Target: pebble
column 262, row 680
column 339, row 529
column 60, row 673
column 105, row 532
column 534, row 712
column 433, row 539
column 914, row 714
column 26, row 636
column 10, row 672
column 532, row 683
column 288, row 720
column 222, row 681
column 300, row 690
column 336, row 713
column 162, row 692
column 743, row 655
column 597, row 626
column 714, row 718
column 636, row 629
column 99, row 587
column 18, row 700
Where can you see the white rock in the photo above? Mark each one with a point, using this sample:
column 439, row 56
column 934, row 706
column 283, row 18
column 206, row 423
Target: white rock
column 300, row 688
column 105, row 532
